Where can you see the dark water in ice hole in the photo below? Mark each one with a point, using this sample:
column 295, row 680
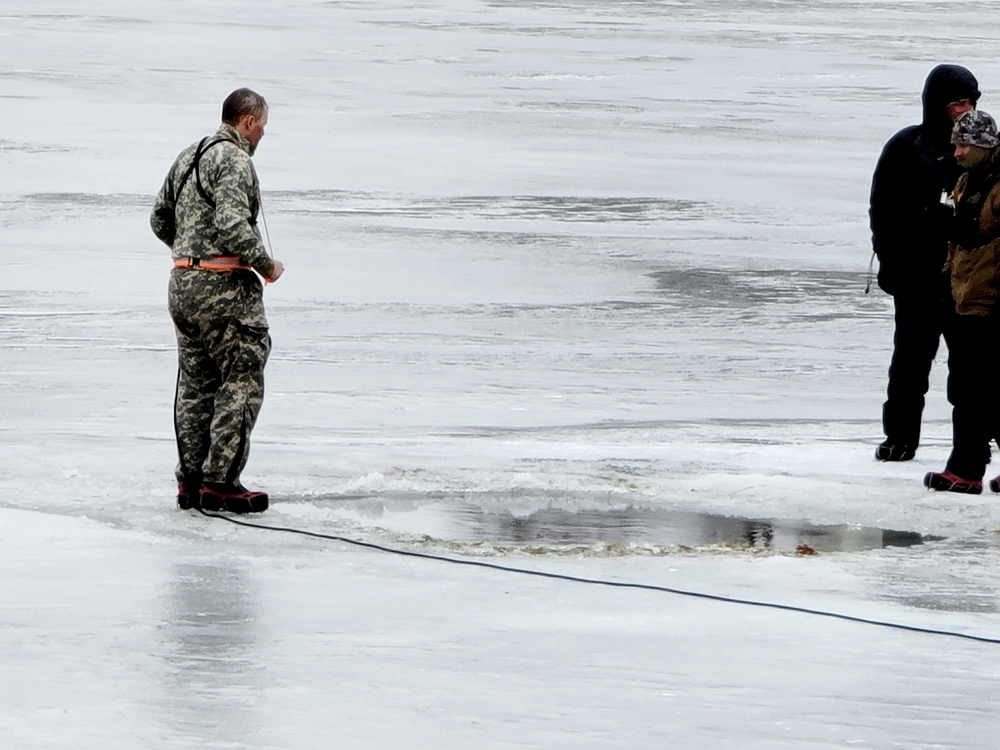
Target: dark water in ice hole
column 483, row 519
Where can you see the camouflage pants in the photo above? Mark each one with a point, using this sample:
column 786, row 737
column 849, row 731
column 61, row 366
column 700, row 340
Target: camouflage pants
column 222, row 347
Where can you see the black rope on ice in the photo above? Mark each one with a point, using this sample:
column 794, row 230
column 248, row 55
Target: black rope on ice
column 602, row 582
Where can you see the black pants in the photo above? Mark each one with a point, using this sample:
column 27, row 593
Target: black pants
column 920, row 323
column 973, row 342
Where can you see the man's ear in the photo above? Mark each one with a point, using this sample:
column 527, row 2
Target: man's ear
column 245, row 123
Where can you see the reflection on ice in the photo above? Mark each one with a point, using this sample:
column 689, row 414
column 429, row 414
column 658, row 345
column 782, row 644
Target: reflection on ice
column 212, row 652
column 477, row 520
column 562, row 208
column 682, row 529
column 746, row 288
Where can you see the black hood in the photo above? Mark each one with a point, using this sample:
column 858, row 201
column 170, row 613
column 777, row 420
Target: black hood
column 946, row 84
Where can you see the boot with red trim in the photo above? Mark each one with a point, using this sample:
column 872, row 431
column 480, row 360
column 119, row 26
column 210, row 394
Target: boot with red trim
column 995, row 484
column 188, row 495
column 945, row 481
column 216, row 496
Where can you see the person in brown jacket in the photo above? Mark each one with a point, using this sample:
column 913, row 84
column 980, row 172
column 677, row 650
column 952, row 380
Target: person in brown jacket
column 974, row 263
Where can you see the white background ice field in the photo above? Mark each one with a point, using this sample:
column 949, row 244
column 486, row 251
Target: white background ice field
column 572, row 285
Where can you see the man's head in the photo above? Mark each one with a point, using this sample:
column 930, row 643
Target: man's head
column 949, row 92
column 246, row 111
column 975, row 136
column 958, row 108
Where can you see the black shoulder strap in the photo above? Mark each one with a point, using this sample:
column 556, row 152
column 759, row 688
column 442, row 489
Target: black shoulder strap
column 193, row 167
column 197, row 172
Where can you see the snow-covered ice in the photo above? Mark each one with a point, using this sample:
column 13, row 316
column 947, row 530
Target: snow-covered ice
column 571, row 286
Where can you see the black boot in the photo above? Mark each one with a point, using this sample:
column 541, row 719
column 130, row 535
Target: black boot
column 893, row 451
column 236, row 498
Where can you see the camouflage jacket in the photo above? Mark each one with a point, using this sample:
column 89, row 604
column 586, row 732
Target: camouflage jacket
column 974, row 250
column 188, row 222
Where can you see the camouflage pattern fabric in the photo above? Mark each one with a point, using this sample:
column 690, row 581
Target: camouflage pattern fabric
column 203, row 231
column 222, row 334
column 222, row 347
column 975, row 128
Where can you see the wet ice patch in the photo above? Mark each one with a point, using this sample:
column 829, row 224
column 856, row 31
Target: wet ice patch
column 564, row 208
column 579, row 525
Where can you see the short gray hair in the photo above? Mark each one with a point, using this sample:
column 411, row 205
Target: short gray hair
column 240, row 103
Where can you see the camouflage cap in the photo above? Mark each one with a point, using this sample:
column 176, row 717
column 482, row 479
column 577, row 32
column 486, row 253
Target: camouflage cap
column 975, row 128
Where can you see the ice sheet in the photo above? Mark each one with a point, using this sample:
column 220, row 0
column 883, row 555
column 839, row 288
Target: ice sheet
column 572, row 286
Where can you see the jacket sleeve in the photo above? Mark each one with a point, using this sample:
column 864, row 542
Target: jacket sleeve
column 162, row 219
column 908, row 221
column 235, row 219
column 892, row 203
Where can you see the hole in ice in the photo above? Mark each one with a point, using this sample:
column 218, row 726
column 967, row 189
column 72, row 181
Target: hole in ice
column 475, row 519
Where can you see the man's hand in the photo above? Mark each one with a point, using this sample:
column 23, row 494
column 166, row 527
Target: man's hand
column 279, row 268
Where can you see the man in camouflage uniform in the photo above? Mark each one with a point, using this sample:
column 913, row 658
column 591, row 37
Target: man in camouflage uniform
column 206, row 212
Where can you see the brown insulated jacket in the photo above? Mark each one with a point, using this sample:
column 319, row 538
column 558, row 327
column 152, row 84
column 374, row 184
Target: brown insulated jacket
column 974, row 250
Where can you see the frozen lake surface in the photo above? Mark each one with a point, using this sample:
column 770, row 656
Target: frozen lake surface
column 572, row 286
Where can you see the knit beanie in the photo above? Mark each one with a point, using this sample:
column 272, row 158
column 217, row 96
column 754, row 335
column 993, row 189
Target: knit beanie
column 975, row 128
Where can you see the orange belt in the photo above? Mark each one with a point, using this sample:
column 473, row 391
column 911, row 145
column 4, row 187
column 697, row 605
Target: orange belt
column 220, row 263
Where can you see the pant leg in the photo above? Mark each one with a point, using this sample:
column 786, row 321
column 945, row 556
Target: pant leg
column 223, row 344
column 198, row 379
column 241, row 353
column 919, row 326
column 969, row 390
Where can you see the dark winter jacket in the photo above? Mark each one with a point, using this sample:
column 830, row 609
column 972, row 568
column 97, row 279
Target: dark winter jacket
column 974, row 251
column 909, row 222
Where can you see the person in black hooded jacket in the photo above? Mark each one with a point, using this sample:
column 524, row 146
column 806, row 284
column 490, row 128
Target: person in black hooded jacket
column 909, row 223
